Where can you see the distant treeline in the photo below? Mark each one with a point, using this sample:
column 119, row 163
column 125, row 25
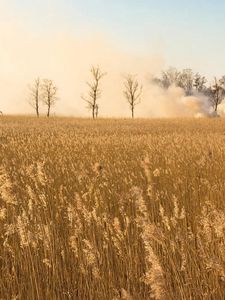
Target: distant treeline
column 193, row 84
column 45, row 92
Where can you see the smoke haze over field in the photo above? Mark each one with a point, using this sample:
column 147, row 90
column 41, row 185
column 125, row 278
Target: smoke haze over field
column 174, row 103
column 66, row 58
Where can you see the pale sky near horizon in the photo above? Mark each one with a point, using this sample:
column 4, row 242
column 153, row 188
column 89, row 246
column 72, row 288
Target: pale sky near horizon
column 184, row 34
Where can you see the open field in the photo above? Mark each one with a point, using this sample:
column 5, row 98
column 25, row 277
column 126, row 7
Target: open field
column 112, row 209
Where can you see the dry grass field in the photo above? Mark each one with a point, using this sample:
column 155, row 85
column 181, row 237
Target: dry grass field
column 112, row 209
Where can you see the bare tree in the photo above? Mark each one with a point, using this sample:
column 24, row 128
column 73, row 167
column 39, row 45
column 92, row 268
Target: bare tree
column 216, row 92
column 222, row 82
column 168, row 77
column 96, row 111
column 132, row 92
column 185, row 81
column 94, row 91
column 35, row 95
column 49, row 91
column 199, row 83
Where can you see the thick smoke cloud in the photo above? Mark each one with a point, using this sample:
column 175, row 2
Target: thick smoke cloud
column 173, row 103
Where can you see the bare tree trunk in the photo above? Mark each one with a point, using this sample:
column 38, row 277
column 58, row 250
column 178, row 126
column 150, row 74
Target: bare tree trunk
column 48, row 113
column 95, row 99
column 37, row 97
column 37, row 111
column 216, row 107
column 132, row 111
column 217, row 101
column 216, row 94
column 96, row 111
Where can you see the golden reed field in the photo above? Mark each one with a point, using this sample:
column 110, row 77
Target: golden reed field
column 112, row 209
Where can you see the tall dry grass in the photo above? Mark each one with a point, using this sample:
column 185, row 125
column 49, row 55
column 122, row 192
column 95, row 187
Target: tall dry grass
column 112, row 209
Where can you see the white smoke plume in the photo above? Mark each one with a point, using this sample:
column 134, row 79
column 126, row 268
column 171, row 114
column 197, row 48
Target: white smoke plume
column 172, row 103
